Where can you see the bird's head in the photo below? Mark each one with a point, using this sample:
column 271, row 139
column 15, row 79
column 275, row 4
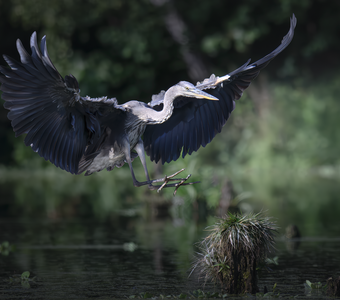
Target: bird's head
column 187, row 89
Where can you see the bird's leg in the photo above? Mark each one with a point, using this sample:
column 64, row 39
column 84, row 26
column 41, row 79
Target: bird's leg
column 140, row 151
column 127, row 153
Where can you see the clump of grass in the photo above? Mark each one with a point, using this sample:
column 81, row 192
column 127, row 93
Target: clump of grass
column 236, row 246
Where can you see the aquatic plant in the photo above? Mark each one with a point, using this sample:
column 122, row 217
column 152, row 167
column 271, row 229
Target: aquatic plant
column 236, row 246
column 24, row 279
column 315, row 285
column 6, row 248
column 333, row 286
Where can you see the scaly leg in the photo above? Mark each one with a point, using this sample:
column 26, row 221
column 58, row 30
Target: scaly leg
column 140, row 151
column 127, row 152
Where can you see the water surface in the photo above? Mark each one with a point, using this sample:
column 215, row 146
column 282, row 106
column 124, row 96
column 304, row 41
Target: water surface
column 126, row 256
column 78, row 247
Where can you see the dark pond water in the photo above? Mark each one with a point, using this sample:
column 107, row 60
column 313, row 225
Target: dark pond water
column 80, row 259
column 134, row 251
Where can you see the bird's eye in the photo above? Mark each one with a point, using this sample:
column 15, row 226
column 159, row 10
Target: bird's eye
column 187, row 88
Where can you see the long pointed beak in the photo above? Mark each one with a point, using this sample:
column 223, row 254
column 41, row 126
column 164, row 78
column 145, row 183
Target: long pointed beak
column 197, row 93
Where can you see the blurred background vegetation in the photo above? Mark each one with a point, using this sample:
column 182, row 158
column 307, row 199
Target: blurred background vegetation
column 279, row 150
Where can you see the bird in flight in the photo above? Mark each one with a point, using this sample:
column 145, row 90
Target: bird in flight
column 83, row 134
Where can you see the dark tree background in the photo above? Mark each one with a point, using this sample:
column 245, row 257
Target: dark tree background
column 133, row 49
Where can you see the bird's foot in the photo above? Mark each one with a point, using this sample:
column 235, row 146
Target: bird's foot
column 167, row 179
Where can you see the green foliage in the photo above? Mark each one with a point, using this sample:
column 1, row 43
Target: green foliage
column 6, row 248
column 285, row 126
column 251, row 151
column 234, row 232
column 316, row 285
column 25, row 275
column 24, row 279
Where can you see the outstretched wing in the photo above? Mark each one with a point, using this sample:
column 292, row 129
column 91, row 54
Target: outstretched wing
column 47, row 107
column 195, row 122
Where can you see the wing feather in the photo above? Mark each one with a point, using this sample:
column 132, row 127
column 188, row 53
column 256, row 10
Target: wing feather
column 58, row 122
column 195, row 122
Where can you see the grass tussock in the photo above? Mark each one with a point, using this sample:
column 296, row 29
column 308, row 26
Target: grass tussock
column 236, row 246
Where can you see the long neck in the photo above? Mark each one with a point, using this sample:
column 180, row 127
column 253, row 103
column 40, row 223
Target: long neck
column 159, row 117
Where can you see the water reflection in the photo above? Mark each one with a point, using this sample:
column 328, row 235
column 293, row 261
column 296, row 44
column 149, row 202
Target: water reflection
column 89, row 258
column 85, row 258
column 148, row 246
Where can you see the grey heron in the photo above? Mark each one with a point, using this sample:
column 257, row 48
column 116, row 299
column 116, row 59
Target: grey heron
column 83, row 134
